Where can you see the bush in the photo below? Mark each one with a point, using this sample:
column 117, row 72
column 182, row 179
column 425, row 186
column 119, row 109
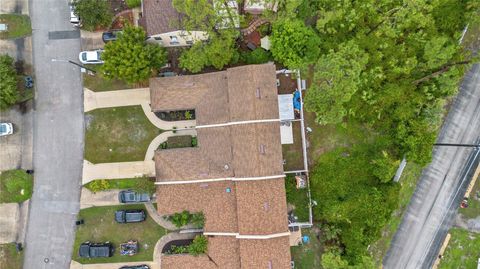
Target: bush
column 8, row 82
column 198, row 246
column 194, row 141
column 198, row 220
column 93, row 13
column 15, row 186
column 99, row 185
column 180, row 219
column 141, row 184
column 257, row 56
column 133, row 3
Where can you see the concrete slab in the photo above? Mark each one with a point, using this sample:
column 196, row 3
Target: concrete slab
column 14, row 6
column 102, row 198
column 9, row 222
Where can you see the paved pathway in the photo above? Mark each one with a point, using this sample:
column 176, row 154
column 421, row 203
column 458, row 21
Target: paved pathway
column 117, row 170
column 92, row 40
column 152, row 212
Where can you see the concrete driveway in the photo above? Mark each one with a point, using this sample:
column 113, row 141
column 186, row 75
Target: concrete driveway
column 9, row 222
column 14, row 6
column 16, row 149
column 92, row 40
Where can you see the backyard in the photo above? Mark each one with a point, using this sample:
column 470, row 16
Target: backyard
column 292, row 153
column 307, row 256
column 15, row 186
column 9, row 257
column 462, row 252
column 17, row 26
column 118, row 134
column 297, row 199
column 100, row 226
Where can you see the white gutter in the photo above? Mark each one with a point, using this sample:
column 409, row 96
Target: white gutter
column 236, row 123
column 240, row 236
column 172, row 182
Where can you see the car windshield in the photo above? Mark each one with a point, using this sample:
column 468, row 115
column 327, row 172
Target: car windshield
column 3, row 128
column 84, row 56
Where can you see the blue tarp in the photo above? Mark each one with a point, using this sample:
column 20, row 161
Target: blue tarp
column 296, row 101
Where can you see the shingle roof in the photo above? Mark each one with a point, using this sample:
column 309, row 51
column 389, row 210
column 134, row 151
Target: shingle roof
column 265, row 253
column 159, row 16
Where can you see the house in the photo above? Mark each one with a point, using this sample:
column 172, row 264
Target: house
column 235, row 175
column 162, row 23
column 256, row 7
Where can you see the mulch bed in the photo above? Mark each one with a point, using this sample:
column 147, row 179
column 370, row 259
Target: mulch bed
column 120, row 21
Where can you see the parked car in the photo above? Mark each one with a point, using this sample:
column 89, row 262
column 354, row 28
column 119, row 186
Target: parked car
column 74, row 19
column 111, row 35
column 130, row 196
column 96, row 250
column 128, row 216
column 91, row 57
column 143, row 266
column 6, row 128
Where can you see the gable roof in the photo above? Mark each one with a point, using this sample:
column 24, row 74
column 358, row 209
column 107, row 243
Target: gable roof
column 159, row 16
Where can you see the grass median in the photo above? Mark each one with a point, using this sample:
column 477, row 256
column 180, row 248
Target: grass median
column 100, row 226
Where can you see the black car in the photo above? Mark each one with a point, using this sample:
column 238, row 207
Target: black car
column 130, row 196
column 128, row 216
column 96, row 250
column 110, row 36
column 143, row 266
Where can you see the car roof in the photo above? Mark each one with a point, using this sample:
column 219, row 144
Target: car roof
column 91, row 55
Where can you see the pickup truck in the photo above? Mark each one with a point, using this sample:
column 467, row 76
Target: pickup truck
column 96, row 250
column 128, row 216
column 130, row 196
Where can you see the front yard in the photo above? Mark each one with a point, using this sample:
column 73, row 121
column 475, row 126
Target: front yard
column 15, row 186
column 99, row 82
column 100, row 226
column 462, row 252
column 17, row 26
column 118, row 134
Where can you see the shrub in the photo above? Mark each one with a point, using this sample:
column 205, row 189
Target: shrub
column 8, row 82
column 180, row 219
column 188, row 115
column 99, row 185
column 257, row 56
column 198, row 246
column 198, row 219
column 194, row 141
column 178, row 250
column 133, row 3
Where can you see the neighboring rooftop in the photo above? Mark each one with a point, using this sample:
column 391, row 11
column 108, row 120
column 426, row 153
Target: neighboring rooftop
column 159, row 16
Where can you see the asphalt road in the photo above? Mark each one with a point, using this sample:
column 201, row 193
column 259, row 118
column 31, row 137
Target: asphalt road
column 58, row 138
column 443, row 183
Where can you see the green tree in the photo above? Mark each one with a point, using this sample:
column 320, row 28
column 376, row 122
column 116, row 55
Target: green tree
column 293, row 43
column 336, row 79
column 8, row 82
column 93, row 13
column 130, row 58
column 198, row 246
column 332, row 260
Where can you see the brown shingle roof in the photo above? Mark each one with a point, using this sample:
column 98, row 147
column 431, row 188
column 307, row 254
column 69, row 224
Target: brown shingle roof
column 159, row 16
column 218, row 206
column 224, row 251
column 265, row 253
column 261, row 207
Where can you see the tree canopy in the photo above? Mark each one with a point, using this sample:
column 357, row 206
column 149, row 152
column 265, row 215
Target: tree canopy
column 8, row 82
column 293, row 43
column 93, row 13
column 130, row 58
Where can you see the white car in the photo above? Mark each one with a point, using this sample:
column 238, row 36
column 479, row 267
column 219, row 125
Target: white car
column 6, row 128
column 91, row 57
column 74, row 19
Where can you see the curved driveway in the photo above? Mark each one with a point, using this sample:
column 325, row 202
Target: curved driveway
column 58, row 137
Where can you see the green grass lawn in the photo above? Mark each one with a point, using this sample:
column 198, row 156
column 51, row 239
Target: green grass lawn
column 118, row 134
column 18, row 26
column 463, row 250
column 15, row 186
column 100, row 226
column 139, row 183
column 9, row 257
column 298, row 198
column 99, row 82
column 308, row 256
column 411, row 174
column 473, row 209
column 292, row 153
